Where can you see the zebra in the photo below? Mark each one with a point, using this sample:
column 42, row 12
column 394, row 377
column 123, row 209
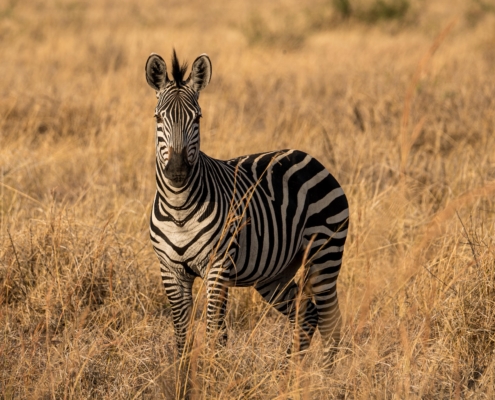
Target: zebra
column 249, row 221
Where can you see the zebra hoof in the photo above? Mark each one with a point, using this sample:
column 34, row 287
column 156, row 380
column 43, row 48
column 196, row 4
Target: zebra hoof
column 329, row 359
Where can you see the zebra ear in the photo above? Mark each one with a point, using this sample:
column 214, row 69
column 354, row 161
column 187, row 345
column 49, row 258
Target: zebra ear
column 200, row 73
column 156, row 72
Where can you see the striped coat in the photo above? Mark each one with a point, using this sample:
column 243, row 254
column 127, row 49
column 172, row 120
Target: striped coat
column 249, row 221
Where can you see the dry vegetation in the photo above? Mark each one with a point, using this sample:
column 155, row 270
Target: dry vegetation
column 82, row 312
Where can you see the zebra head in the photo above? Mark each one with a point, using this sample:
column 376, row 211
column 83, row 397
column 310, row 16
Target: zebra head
column 177, row 114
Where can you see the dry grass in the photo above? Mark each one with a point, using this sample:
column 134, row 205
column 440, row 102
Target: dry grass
column 82, row 312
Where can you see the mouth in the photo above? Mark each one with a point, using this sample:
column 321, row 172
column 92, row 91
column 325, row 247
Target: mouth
column 177, row 180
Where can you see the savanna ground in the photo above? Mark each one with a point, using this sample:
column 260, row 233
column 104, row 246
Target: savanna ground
column 395, row 98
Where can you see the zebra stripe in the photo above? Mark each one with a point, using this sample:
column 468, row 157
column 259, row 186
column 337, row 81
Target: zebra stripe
column 249, row 221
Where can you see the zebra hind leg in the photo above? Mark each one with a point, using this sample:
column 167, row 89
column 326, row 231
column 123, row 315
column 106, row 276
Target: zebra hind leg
column 329, row 325
column 322, row 281
column 282, row 293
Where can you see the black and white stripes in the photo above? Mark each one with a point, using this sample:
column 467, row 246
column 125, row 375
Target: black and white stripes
column 249, row 221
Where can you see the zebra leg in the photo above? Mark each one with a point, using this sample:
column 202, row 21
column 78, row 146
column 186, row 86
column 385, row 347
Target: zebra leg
column 217, row 293
column 179, row 294
column 329, row 323
column 282, row 293
column 322, row 281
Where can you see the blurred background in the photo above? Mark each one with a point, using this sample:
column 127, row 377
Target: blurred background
column 394, row 97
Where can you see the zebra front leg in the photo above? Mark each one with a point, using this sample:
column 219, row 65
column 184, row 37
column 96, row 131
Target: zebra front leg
column 178, row 286
column 179, row 294
column 217, row 293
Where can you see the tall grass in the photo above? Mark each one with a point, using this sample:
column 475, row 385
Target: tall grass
column 82, row 311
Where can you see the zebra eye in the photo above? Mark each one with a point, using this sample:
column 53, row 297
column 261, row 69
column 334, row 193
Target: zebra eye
column 158, row 118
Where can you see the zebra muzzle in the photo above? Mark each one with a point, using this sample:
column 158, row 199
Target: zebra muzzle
column 177, row 169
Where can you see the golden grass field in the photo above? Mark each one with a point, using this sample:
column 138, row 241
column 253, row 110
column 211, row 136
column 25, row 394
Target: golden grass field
column 402, row 113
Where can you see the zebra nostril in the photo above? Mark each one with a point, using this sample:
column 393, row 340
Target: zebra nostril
column 185, row 156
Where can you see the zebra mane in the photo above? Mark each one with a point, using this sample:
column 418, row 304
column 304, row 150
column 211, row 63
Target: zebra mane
column 178, row 71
